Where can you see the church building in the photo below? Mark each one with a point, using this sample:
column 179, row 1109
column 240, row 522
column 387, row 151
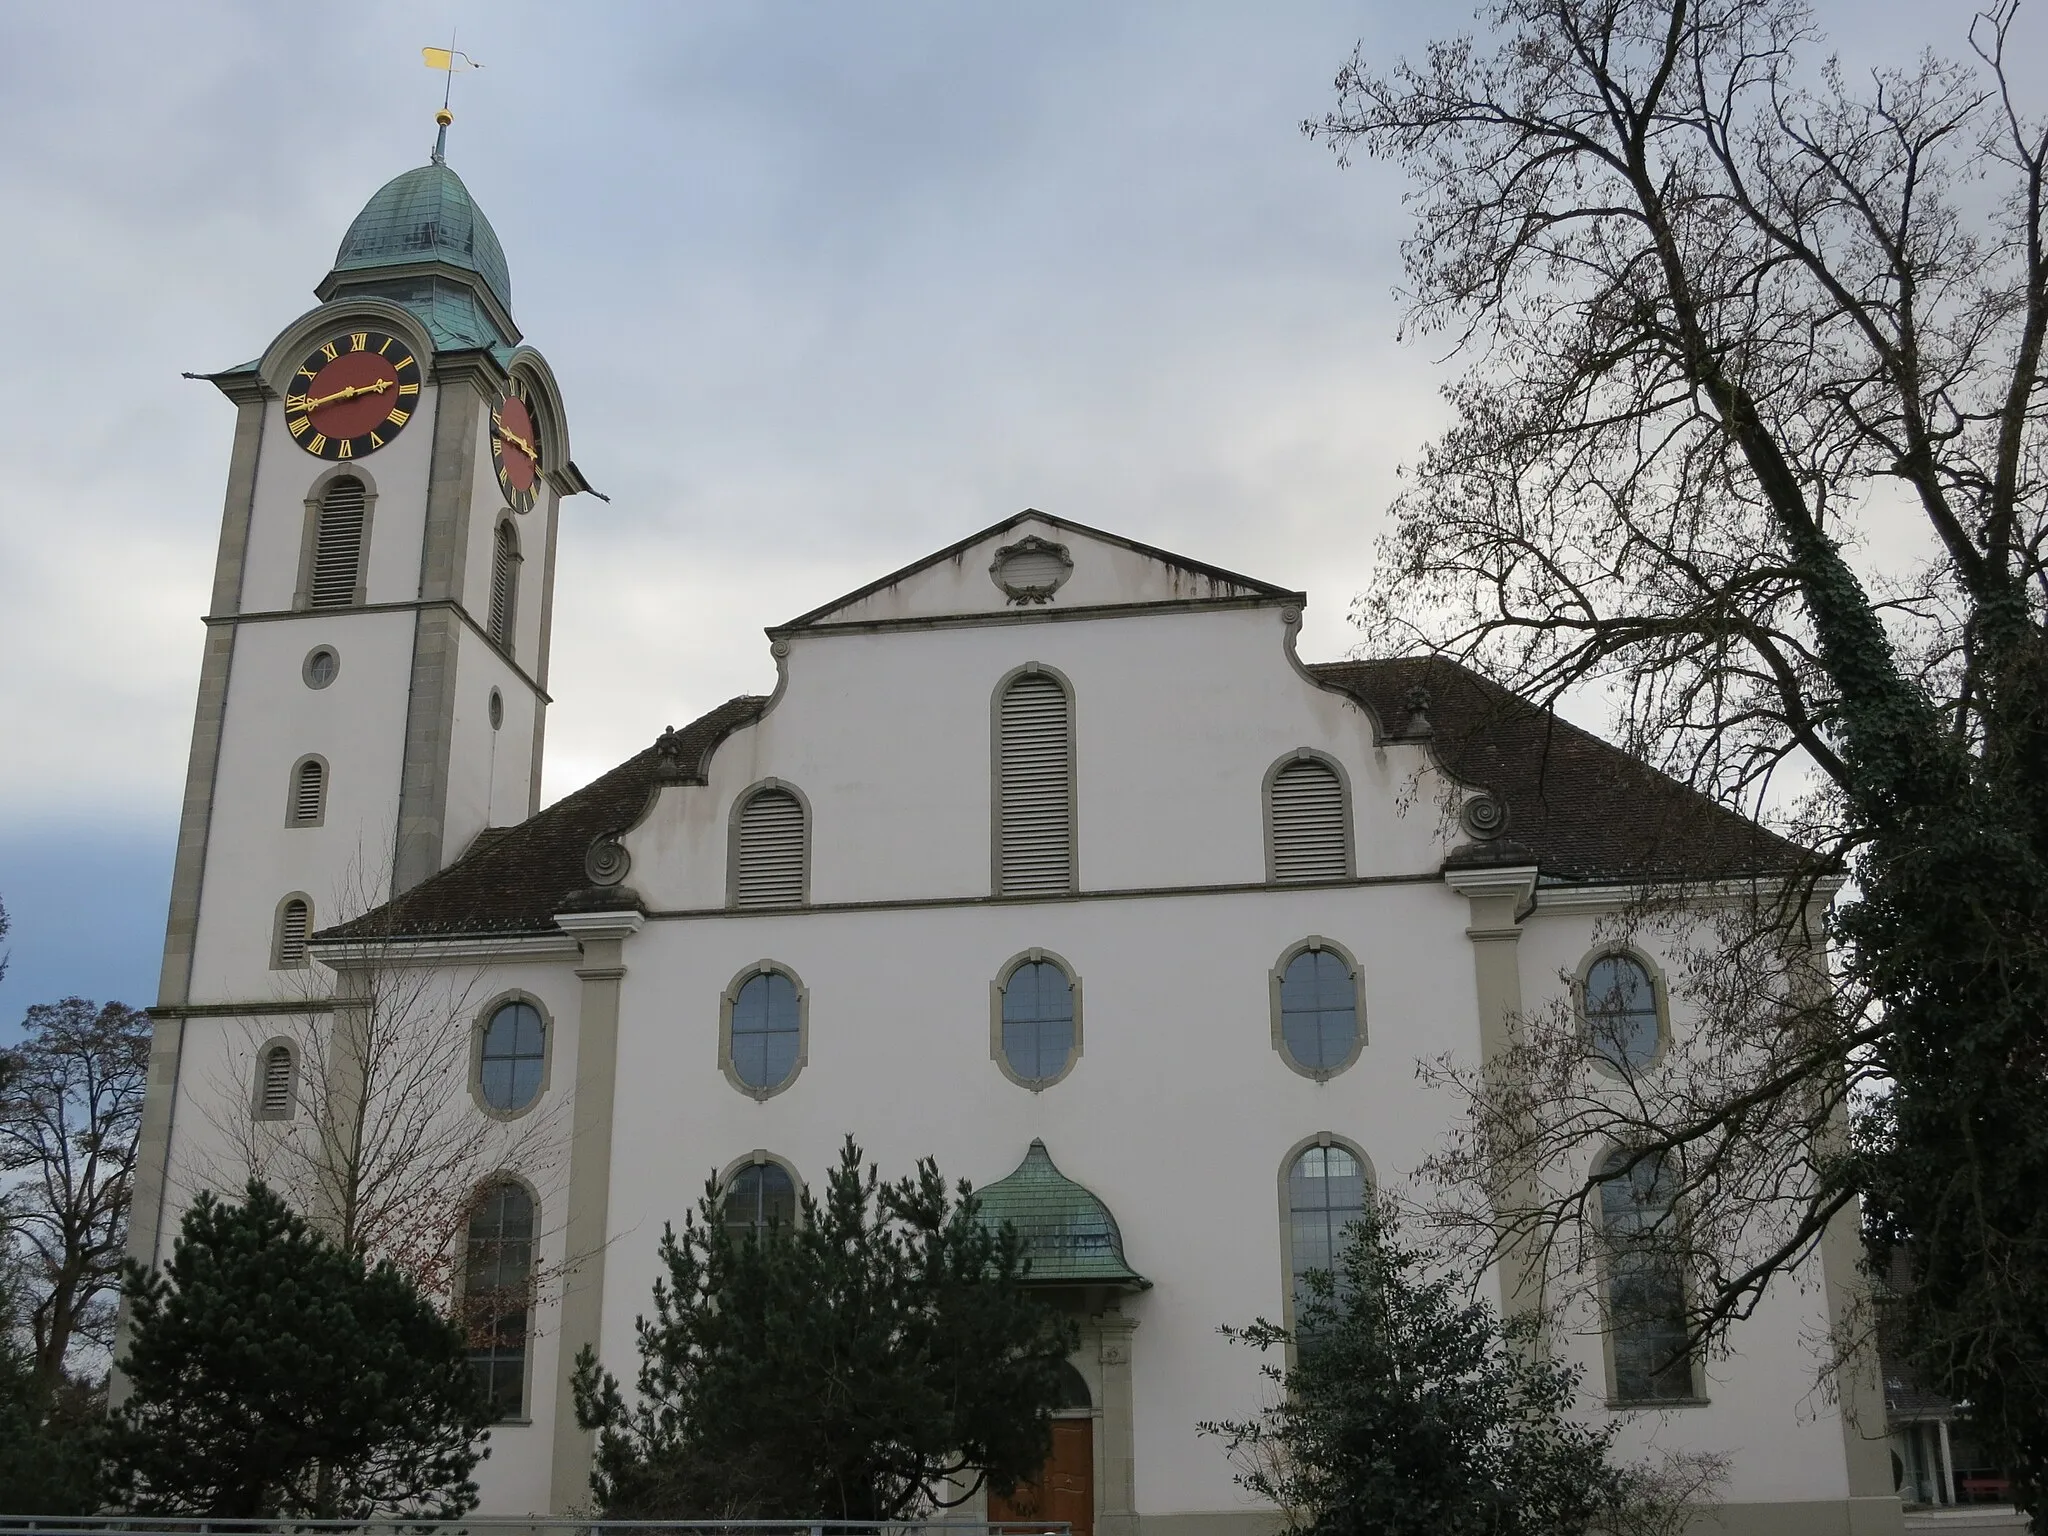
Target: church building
column 1046, row 856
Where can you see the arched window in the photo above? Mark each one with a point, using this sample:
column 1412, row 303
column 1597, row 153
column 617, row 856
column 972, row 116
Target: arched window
column 1621, row 1011
column 1645, row 1281
column 294, row 928
column 1038, row 1020
column 1315, row 1009
column 276, row 1078
column 770, row 855
column 1326, row 1190
column 336, row 576
column 512, row 1057
column 1308, row 820
column 763, row 1045
column 504, row 584
column 497, row 1294
column 307, row 805
column 759, row 1199
column 1034, row 785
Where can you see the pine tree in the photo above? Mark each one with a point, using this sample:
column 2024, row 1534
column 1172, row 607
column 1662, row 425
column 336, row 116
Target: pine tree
column 274, row 1374
column 843, row 1368
column 1411, row 1412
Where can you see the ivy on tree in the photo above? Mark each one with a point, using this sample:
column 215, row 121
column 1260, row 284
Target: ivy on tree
column 275, row 1375
column 847, row 1368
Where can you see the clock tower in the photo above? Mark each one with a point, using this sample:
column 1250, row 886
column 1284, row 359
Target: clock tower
column 373, row 692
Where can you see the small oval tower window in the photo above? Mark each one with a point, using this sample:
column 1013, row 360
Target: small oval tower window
column 1031, row 570
column 497, row 709
column 323, row 665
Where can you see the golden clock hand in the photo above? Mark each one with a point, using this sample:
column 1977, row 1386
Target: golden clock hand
column 520, row 443
column 303, row 403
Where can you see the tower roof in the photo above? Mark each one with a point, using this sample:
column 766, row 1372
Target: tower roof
column 426, row 215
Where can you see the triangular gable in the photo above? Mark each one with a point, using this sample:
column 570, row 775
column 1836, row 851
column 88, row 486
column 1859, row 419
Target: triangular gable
column 1036, row 560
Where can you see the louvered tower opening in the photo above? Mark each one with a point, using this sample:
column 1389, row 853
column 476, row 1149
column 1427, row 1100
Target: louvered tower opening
column 309, row 791
column 275, row 1100
column 504, row 585
column 338, row 546
column 1310, row 829
column 292, row 929
column 1035, row 788
column 770, row 870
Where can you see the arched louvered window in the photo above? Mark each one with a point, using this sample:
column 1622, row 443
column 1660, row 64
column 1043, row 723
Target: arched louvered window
column 1308, row 821
column 1034, row 785
column 276, row 1071
column 294, row 927
column 308, row 805
column 504, row 584
column 338, row 545
column 497, row 1295
column 770, row 849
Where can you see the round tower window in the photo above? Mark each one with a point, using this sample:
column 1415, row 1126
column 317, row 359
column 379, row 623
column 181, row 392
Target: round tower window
column 497, row 709
column 323, row 665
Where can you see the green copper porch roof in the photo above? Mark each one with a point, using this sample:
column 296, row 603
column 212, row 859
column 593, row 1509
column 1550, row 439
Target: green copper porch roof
column 426, row 214
column 1068, row 1232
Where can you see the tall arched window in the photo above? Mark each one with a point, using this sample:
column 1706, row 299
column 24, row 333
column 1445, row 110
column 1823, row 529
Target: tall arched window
column 504, row 584
column 1621, row 1011
column 307, row 806
column 512, row 1057
column 771, row 850
column 1308, row 820
column 1645, row 1281
column 276, row 1074
column 1038, row 1020
column 497, row 1295
column 294, row 928
column 759, row 1199
column 762, row 1044
column 1034, row 785
column 1326, row 1191
column 336, row 575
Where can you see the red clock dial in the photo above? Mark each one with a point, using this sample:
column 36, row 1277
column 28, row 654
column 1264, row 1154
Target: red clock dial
column 352, row 395
column 515, row 448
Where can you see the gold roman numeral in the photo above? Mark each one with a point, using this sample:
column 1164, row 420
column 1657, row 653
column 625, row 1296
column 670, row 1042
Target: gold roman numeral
column 329, row 350
column 296, row 403
column 387, row 345
column 317, row 443
column 307, row 373
column 408, row 389
column 344, row 448
column 299, row 427
column 404, row 362
column 398, row 418
column 358, row 341
column 376, row 442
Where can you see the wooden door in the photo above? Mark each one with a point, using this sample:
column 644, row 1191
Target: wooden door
column 1065, row 1490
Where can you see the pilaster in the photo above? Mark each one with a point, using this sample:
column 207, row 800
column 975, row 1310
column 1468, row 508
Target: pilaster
column 1116, row 1499
column 602, row 936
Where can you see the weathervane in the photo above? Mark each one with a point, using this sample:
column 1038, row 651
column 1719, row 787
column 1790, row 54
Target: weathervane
column 445, row 59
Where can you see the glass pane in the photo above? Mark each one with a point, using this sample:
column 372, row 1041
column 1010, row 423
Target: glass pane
column 1621, row 1010
column 760, row 1197
column 1646, row 1283
column 514, row 1048
column 1318, row 1010
column 765, row 1035
column 1038, row 1020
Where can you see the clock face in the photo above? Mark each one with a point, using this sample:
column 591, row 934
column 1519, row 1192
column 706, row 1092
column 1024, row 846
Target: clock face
column 352, row 395
column 515, row 448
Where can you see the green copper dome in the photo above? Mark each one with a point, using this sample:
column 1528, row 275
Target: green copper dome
column 426, row 215
column 1067, row 1230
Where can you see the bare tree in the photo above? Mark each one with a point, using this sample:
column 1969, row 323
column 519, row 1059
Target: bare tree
column 70, row 1108
column 1750, row 445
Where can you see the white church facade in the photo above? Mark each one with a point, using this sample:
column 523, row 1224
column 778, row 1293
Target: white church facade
column 1045, row 856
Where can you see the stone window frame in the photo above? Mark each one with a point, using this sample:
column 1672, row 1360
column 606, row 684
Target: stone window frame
column 995, row 782
column 1316, row 943
column 263, row 1054
column 459, row 1281
column 1695, row 1365
column 740, row 802
column 1294, row 1153
column 291, row 792
column 309, row 538
column 277, row 960
column 730, row 998
column 757, row 1158
column 1273, row 772
column 306, row 666
column 477, row 1030
column 1659, row 992
column 996, row 989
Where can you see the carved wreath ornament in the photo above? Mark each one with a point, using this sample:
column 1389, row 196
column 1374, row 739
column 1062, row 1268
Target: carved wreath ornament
column 1031, row 570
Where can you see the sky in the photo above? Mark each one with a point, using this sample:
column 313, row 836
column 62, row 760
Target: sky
column 827, row 287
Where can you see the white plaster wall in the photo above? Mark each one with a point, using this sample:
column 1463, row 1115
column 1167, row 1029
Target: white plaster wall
column 253, row 858
column 490, row 773
column 1177, row 719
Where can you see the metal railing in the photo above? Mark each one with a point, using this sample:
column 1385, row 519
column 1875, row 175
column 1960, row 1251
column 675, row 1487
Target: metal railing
column 515, row 1525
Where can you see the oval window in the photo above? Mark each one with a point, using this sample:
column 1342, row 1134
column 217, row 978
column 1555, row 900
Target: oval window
column 1621, row 1011
column 1318, row 1011
column 767, row 1035
column 514, row 1053
column 1038, row 1021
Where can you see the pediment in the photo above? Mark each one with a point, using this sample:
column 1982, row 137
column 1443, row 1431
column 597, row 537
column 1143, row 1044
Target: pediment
column 1035, row 561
